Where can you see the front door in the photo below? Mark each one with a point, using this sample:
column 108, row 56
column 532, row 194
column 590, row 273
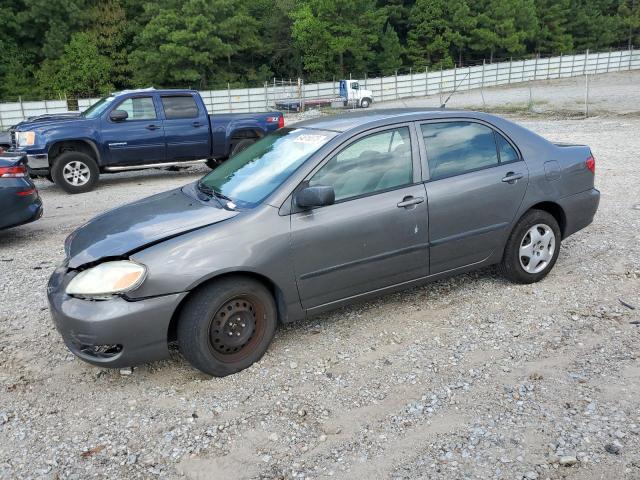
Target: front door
column 186, row 128
column 477, row 183
column 139, row 139
column 375, row 234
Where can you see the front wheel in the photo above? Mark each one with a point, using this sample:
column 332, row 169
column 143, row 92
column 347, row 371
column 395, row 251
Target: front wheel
column 227, row 326
column 365, row 102
column 532, row 248
column 75, row 172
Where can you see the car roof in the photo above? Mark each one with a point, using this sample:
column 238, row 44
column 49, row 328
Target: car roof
column 153, row 90
column 352, row 120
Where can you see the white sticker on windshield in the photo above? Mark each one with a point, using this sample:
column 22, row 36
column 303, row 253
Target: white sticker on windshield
column 309, row 138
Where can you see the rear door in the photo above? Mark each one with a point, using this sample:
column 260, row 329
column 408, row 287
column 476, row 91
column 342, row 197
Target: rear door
column 139, row 139
column 476, row 183
column 375, row 235
column 186, row 128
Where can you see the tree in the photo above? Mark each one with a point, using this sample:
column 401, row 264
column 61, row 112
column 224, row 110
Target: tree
column 629, row 21
column 430, row 30
column 336, row 36
column 194, row 44
column 553, row 17
column 389, row 57
column 81, row 71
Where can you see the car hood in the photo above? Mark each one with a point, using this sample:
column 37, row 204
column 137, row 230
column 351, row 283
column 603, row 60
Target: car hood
column 45, row 122
column 141, row 223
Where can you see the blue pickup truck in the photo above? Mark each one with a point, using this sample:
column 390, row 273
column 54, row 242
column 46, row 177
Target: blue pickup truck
column 132, row 130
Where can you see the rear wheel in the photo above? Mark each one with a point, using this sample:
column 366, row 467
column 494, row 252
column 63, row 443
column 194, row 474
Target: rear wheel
column 227, row 326
column 75, row 172
column 532, row 248
column 241, row 145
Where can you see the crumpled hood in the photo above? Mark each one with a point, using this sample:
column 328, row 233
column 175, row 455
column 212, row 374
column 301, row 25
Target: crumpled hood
column 46, row 121
column 130, row 227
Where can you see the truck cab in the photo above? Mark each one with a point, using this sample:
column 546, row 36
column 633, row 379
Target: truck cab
column 354, row 95
column 133, row 130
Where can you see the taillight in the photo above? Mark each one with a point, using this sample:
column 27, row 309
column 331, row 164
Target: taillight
column 281, row 121
column 26, row 193
column 591, row 164
column 16, row 171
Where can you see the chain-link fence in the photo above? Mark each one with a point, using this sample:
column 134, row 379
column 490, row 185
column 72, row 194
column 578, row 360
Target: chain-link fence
column 395, row 87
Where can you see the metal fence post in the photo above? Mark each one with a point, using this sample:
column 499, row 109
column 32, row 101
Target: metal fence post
column 249, row 97
column 509, row 78
column 455, row 76
column 586, row 59
column 426, row 81
column 334, row 85
column 560, row 67
column 229, row 97
column 21, row 107
column 630, row 55
column 608, row 61
column 396, row 84
column 365, row 80
column 573, row 62
column 381, row 90
column 266, row 96
column 411, row 75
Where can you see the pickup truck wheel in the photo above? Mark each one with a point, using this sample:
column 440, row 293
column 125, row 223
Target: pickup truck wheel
column 365, row 102
column 241, row 145
column 532, row 248
column 75, row 172
column 227, row 326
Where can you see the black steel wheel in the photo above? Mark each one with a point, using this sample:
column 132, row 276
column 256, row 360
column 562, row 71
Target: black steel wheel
column 227, row 325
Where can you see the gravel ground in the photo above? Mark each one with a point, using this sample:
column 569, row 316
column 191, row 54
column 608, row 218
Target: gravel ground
column 612, row 93
column 471, row 377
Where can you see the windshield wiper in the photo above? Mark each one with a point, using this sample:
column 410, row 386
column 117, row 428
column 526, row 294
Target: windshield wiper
column 211, row 192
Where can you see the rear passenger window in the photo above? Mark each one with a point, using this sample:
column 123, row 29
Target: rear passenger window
column 454, row 148
column 179, row 107
column 381, row 161
column 507, row 152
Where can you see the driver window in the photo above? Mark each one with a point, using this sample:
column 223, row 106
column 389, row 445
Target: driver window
column 355, row 86
column 379, row 162
column 138, row 108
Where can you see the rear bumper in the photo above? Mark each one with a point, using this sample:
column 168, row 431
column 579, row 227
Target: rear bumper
column 579, row 210
column 17, row 209
column 131, row 332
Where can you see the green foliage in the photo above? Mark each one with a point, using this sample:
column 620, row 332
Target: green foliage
column 81, row 71
column 85, row 47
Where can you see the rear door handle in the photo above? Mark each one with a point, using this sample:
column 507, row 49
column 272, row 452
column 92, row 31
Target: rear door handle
column 512, row 177
column 409, row 201
column 152, row 127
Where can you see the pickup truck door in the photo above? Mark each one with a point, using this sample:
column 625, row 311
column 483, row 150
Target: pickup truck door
column 186, row 127
column 139, row 139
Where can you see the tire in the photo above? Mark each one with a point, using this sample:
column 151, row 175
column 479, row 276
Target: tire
column 75, row 172
column 236, row 305
column 214, row 163
column 530, row 256
column 365, row 102
column 241, row 145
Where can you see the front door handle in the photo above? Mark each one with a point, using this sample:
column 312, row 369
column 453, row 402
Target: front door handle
column 152, row 127
column 196, row 124
column 512, row 177
column 410, row 201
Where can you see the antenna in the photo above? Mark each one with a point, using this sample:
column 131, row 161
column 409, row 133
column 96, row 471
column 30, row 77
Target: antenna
column 444, row 105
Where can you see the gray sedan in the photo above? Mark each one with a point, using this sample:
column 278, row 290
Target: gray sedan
column 323, row 214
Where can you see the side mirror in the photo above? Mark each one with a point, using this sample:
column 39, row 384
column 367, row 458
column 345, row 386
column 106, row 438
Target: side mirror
column 118, row 115
column 317, row 196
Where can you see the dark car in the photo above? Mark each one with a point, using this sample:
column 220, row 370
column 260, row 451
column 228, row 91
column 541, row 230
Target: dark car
column 310, row 218
column 19, row 199
column 134, row 130
column 5, row 141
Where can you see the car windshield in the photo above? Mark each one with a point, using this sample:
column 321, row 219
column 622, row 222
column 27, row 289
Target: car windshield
column 97, row 108
column 250, row 176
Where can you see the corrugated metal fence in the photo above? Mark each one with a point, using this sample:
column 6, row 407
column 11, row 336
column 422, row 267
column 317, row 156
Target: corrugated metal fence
column 414, row 84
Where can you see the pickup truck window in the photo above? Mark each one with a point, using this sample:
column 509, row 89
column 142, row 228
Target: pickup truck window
column 97, row 108
column 251, row 175
column 138, row 108
column 183, row 106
